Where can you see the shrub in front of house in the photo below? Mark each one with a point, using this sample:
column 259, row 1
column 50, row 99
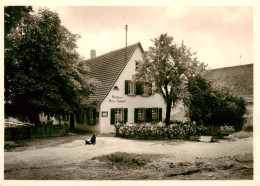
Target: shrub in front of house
column 189, row 131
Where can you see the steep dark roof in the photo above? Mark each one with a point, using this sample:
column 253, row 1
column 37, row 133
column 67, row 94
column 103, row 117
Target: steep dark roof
column 238, row 78
column 107, row 68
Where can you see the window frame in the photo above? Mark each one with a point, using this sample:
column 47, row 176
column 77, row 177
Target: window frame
column 155, row 114
column 131, row 88
column 140, row 116
column 145, row 89
column 120, row 118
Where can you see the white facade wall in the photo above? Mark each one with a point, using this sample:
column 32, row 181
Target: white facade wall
column 118, row 99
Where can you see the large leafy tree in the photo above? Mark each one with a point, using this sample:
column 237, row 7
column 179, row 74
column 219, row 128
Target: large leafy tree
column 13, row 15
column 43, row 71
column 209, row 105
column 168, row 66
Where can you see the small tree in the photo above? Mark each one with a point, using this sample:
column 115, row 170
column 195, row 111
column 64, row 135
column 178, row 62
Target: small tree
column 168, row 66
column 214, row 106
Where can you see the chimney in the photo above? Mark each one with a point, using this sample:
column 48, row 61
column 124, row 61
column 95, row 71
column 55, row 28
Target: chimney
column 93, row 54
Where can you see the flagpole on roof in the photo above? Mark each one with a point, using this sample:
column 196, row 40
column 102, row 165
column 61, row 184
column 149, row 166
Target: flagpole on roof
column 126, row 28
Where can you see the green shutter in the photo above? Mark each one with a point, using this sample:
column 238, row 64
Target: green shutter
column 125, row 114
column 148, row 115
column 139, row 88
column 142, row 92
column 136, row 116
column 157, row 111
column 150, row 89
column 94, row 116
column 160, row 114
column 126, row 87
column 112, row 117
column 87, row 116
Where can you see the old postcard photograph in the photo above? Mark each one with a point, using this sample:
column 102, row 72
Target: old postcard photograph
column 96, row 93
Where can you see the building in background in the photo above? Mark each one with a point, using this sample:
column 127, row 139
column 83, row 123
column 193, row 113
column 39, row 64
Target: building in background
column 239, row 79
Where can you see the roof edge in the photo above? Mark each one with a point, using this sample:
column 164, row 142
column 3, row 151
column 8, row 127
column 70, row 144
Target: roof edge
column 249, row 64
column 137, row 45
column 116, row 51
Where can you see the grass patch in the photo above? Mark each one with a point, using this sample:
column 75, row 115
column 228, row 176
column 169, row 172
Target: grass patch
column 124, row 160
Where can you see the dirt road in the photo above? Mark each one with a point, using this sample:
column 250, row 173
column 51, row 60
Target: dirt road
column 115, row 158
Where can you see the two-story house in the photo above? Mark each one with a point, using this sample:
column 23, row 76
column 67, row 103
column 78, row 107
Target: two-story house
column 119, row 97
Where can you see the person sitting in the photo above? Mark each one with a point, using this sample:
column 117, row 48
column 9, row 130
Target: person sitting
column 92, row 141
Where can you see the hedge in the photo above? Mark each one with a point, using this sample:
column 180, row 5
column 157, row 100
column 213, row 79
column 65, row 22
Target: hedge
column 158, row 131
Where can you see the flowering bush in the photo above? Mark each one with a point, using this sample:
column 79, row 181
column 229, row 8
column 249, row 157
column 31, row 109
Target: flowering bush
column 148, row 131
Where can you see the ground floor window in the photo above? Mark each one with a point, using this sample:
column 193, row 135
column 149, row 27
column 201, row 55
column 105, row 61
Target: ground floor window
column 147, row 115
column 155, row 114
column 118, row 115
column 91, row 115
column 141, row 115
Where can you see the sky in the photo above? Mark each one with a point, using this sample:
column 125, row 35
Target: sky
column 220, row 35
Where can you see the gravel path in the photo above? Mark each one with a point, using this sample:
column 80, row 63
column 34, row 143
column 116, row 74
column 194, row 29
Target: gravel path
column 69, row 153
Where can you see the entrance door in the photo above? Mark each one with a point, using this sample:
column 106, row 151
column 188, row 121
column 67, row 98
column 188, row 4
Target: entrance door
column 71, row 121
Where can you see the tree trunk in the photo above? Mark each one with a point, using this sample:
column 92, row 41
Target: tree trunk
column 168, row 112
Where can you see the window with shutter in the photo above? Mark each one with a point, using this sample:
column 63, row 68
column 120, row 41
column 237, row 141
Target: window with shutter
column 145, row 89
column 141, row 115
column 91, row 116
column 116, row 115
column 154, row 114
column 131, row 88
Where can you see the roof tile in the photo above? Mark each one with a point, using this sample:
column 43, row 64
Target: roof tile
column 238, row 78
